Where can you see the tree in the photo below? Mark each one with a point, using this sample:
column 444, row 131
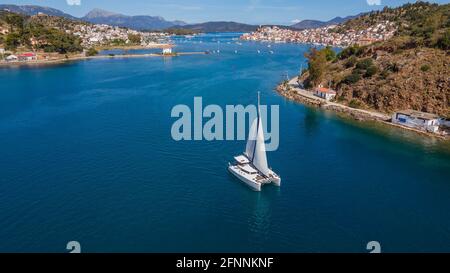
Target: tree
column 365, row 63
column 370, row 71
column 329, row 53
column 134, row 38
column 12, row 41
column 15, row 20
column 354, row 50
column 317, row 64
column 444, row 41
column 91, row 52
column 351, row 62
column 352, row 78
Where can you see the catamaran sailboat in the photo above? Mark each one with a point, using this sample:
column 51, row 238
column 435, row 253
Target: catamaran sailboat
column 251, row 167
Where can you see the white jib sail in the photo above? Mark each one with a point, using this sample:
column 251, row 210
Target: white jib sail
column 260, row 158
column 251, row 142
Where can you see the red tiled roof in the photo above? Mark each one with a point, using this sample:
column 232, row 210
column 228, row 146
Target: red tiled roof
column 27, row 55
column 326, row 90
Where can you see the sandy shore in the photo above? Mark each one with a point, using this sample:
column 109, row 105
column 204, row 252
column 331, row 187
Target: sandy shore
column 292, row 91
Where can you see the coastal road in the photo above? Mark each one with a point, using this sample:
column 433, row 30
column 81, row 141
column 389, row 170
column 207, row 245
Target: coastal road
column 293, row 84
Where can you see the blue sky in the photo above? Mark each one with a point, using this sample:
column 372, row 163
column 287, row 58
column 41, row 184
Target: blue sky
column 246, row 11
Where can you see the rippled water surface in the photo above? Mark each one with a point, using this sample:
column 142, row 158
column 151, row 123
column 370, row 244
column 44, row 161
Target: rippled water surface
column 87, row 155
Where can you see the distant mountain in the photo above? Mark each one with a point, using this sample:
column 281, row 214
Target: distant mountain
column 309, row 24
column 98, row 16
column 99, row 13
column 144, row 22
column 33, row 10
column 140, row 22
column 219, row 27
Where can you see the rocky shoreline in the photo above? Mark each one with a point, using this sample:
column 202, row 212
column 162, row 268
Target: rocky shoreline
column 357, row 114
column 286, row 90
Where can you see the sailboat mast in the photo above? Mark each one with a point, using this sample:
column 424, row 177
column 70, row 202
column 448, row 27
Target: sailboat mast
column 258, row 120
column 259, row 113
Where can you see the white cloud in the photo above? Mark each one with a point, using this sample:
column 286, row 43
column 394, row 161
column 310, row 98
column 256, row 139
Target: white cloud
column 373, row 2
column 295, row 21
column 73, row 2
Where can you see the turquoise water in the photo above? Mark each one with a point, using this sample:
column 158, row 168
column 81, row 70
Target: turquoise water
column 87, row 155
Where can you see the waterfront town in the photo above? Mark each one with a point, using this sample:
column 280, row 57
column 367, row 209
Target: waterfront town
column 95, row 35
column 91, row 36
column 324, row 36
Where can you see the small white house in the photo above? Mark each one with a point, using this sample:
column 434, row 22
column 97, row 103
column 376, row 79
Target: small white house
column 29, row 56
column 418, row 120
column 325, row 93
column 12, row 58
column 167, row 51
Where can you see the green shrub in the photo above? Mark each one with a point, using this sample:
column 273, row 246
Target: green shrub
column 352, row 78
column 351, row 62
column 425, row 68
column 12, row 41
column 118, row 42
column 365, row 63
column 444, row 41
column 91, row 52
column 358, row 71
column 354, row 103
column 329, row 53
column 372, row 70
column 354, row 50
column 134, row 38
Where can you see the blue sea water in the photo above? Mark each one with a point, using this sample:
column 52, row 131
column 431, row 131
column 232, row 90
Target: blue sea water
column 87, row 155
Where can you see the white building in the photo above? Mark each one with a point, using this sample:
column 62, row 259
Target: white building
column 325, row 93
column 418, row 120
column 29, row 56
column 12, row 58
column 167, row 51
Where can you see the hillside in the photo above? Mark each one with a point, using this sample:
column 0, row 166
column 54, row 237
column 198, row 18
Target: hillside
column 410, row 70
column 39, row 32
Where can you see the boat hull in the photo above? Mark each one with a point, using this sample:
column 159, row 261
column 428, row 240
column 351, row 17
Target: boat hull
column 252, row 184
column 276, row 181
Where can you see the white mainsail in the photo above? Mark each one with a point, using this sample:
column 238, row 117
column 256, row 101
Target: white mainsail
column 256, row 148
column 251, row 142
column 260, row 158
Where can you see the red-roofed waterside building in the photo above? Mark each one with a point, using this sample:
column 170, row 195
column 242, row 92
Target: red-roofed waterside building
column 325, row 93
column 29, row 56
